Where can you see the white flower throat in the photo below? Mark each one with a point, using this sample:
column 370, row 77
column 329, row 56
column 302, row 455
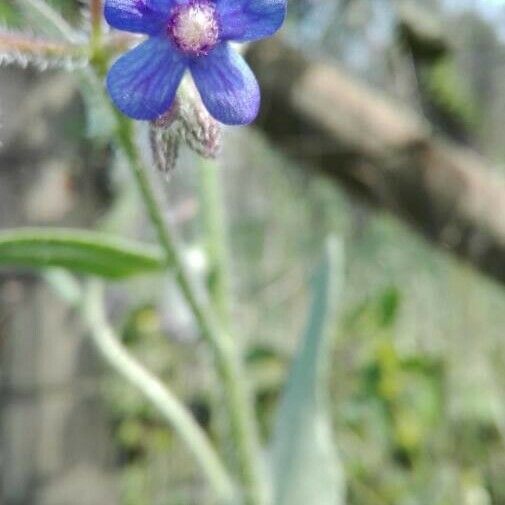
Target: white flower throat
column 194, row 28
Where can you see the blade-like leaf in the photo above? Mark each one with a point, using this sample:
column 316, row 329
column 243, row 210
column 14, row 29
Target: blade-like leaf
column 306, row 467
column 80, row 251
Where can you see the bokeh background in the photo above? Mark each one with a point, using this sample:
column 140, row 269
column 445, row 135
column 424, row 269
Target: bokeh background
column 418, row 375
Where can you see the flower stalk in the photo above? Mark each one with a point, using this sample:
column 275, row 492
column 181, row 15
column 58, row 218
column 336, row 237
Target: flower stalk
column 227, row 360
column 98, row 56
column 96, row 15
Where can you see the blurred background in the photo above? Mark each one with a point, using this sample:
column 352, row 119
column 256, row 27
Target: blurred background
column 382, row 122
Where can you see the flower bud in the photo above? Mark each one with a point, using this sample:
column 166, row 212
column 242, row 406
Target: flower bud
column 202, row 133
column 188, row 121
column 165, row 138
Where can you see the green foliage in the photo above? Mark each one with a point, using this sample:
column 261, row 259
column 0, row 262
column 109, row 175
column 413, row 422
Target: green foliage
column 8, row 15
column 11, row 15
column 450, row 93
column 398, row 412
column 79, row 251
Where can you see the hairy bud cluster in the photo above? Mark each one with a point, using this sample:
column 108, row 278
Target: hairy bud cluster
column 187, row 122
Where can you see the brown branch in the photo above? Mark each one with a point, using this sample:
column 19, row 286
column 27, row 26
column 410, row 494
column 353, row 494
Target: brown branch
column 384, row 153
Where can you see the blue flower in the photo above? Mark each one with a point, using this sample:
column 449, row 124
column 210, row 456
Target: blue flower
column 194, row 35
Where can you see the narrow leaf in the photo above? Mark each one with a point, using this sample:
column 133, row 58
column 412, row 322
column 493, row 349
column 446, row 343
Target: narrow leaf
column 306, row 467
column 80, row 251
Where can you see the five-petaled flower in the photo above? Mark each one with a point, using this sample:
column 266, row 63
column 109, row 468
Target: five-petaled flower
column 194, row 35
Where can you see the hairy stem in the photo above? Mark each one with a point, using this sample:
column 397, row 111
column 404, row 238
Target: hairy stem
column 227, row 359
column 172, row 410
column 29, row 45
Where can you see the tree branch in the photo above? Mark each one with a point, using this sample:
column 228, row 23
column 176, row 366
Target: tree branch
column 382, row 152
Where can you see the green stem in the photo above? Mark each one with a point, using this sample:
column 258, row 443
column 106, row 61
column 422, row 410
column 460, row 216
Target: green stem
column 228, row 361
column 98, row 57
column 213, row 217
column 96, row 9
column 175, row 413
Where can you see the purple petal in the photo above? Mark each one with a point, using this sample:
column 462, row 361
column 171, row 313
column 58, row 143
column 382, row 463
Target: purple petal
column 143, row 82
column 227, row 86
column 138, row 16
column 243, row 20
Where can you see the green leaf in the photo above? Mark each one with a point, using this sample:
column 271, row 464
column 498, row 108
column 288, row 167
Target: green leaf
column 388, row 305
column 80, row 251
column 306, row 467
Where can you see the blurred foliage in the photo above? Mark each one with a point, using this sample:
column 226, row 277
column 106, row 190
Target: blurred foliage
column 406, row 445
column 7, row 14
column 10, row 14
column 415, row 396
column 450, row 94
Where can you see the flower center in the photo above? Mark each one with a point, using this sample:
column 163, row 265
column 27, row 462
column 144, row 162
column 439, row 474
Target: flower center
column 194, row 27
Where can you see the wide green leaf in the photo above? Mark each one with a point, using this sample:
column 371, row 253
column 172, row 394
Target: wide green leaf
column 78, row 250
column 305, row 463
